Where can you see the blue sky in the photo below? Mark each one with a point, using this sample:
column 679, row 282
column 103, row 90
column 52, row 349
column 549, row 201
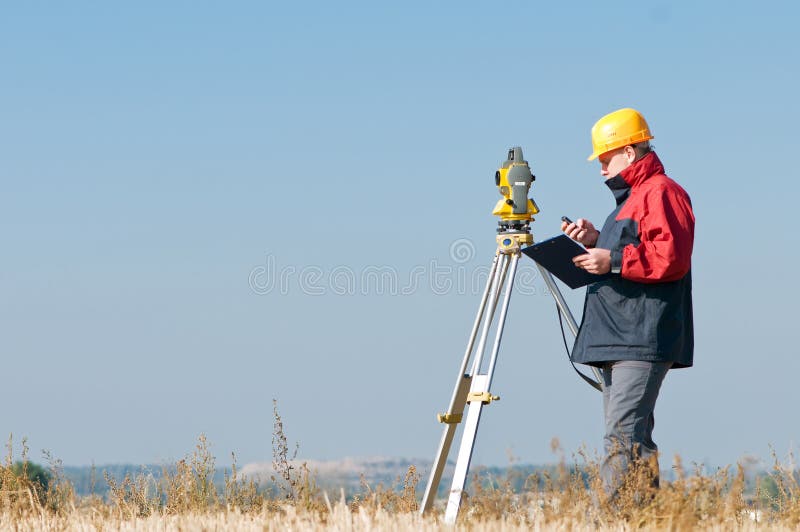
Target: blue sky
column 160, row 161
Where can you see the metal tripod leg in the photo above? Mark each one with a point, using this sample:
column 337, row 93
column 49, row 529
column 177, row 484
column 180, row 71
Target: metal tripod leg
column 479, row 396
column 562, row 306
column 455, row 411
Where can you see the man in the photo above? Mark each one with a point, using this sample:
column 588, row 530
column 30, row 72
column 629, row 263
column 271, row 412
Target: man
column 637, row 321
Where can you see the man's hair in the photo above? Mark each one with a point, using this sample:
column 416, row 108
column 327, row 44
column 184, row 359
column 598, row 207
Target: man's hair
column 641, row 149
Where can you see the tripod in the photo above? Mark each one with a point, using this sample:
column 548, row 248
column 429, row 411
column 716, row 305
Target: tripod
column 472, row 385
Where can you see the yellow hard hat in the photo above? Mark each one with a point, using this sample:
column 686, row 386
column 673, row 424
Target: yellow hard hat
column 615, row 130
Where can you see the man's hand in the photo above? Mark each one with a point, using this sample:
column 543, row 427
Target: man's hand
column 597, row 261
column 583, row 231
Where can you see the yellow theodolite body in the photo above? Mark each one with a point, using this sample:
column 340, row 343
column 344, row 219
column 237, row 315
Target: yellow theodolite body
column 513, row 180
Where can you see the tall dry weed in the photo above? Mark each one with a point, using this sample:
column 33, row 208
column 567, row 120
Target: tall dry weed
column 241, row 493
column 781, row 490
column 19, row 495
column 399, row 498
column 296, row 483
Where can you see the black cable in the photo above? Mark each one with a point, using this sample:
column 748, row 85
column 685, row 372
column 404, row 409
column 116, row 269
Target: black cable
column 594, row 384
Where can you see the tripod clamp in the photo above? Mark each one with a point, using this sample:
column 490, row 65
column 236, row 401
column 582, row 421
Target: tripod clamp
column 510, row 243
column 482, row 397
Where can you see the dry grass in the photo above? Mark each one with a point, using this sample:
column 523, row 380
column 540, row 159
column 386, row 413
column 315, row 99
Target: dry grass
column 183, row 497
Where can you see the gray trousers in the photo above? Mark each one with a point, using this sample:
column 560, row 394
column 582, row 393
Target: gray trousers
column 630, row 390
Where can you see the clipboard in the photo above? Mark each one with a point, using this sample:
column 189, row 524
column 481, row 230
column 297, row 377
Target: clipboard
column 555, row 255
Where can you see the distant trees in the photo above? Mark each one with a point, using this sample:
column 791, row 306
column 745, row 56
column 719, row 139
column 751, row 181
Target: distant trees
column 28, row 474
column 33, row 472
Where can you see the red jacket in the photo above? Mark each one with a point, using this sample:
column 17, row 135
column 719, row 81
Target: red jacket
column 643, row 311
column 665, row 220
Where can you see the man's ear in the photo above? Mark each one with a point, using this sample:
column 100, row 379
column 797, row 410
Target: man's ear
column 630, row 154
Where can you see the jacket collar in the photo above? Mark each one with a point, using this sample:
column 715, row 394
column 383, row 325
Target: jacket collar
column 633, row 175
column 618, row 187
column 648, row 165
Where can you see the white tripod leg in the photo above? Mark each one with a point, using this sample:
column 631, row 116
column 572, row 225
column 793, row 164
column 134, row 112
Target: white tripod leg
column 478, row 397
column 455, row 411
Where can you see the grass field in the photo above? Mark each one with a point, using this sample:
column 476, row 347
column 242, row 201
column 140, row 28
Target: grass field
column 184, row 497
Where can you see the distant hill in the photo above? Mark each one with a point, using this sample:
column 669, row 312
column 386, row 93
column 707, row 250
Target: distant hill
column 353, row 475
column 89, row 480
column 348, row 473
column 331, row 475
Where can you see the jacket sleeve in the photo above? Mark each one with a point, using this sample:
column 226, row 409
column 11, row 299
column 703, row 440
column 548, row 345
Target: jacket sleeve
column 666, row 234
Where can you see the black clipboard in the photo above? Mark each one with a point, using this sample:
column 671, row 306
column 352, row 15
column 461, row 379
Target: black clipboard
column 555, row 255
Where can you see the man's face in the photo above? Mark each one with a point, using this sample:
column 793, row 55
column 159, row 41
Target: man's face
column 615, row 161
